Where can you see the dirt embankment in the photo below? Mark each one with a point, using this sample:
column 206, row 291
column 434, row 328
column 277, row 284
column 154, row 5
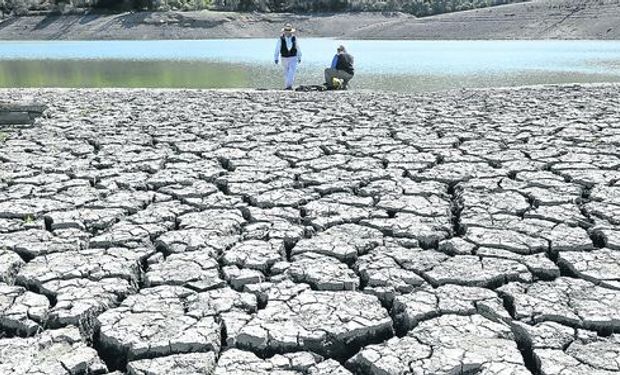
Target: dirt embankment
column 539, row 19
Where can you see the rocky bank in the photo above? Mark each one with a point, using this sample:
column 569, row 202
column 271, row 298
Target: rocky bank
column 264, row 232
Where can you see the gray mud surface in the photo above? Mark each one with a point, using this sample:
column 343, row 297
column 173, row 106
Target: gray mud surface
column 270, row 232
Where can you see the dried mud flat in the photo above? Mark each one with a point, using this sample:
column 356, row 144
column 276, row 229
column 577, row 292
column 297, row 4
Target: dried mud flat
column 238, row 232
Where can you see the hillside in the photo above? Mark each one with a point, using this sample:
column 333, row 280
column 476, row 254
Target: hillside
column 538, row 19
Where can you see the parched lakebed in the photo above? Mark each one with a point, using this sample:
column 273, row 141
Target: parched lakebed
column 272, row 232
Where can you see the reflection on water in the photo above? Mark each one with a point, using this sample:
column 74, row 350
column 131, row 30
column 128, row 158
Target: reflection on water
column 118, row 73
column 197, row 74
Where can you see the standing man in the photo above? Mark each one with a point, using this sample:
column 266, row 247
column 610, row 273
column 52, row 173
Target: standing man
column 341, row 68
column 288, row 48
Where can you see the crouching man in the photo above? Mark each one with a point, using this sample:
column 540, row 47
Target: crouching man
column 341, row 69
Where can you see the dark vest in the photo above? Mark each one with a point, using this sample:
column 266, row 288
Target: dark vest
column 345, row 62
column 285, row 52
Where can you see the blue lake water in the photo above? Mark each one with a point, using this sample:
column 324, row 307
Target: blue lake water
column 389, row 65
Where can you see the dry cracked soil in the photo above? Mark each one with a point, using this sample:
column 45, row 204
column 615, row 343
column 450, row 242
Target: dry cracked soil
column 257, row 232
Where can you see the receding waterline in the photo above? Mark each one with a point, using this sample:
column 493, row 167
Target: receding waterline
column 389, row 65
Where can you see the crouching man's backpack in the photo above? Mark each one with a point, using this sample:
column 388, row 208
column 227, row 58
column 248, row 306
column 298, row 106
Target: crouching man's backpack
column 337, row 83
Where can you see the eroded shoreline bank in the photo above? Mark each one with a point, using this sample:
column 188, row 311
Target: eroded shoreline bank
column 538, row 19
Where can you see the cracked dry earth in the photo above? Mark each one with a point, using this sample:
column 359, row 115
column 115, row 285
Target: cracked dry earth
column 232, row 232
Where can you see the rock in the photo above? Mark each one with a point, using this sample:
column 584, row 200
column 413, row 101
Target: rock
column 565, row 213
column 167, row 177
column 384, row 276
column 508, row 202
column 424, row 304
column 566, row 238
column 445, row 345
column 456, row 172
column 539, row 265
column 470, row 270
column 218, row 301
column 222, row 222
column 558, row 349
column 85, row 218
column 197, row 189
column 16, row 225
column 235, row 361
column 93, row 264
column 36, row 207
column 340, row 208
column 545, row 335
column 176, row 364
column 83, row 283
column 181, row 241
column 283, row 198
column 20, row 113
column 10, row 263
column 600, row 266
column 506, row 239
column 131, row 201
column 327, row 323
column 322, row 272
column 611, row 237
column 335, row 180
column 429, row 231
column 22, row 312
column 129, row 235
column 60, row 351
column 197, row 270
column 34, row 242
column 456, row 246
column 278, row 229
column 238, row 277
column 156, row 323
column 568, row 301
column 344, row 242
column 254, row 254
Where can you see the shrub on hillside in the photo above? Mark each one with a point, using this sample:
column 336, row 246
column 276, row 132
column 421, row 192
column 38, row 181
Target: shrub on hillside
column 179, row 4
column 418, row 8
column 23, row 7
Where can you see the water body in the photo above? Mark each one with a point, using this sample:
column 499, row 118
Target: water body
column 406, row 66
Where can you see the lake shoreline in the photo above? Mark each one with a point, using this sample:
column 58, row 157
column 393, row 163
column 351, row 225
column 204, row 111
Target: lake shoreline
column 538, row 19
column 447, row 93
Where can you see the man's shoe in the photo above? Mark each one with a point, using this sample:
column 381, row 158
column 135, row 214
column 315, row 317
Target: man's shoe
column 288, row 88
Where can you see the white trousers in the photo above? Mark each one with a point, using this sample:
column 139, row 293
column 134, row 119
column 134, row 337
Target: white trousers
column 290, row 66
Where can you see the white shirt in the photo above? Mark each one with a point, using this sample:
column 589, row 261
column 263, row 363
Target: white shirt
column 289, row 45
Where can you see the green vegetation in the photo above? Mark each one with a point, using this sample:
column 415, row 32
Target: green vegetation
column 3, row 137
column 158, row 5
column 28, row 219
column 418, row 8
column 24, row 7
